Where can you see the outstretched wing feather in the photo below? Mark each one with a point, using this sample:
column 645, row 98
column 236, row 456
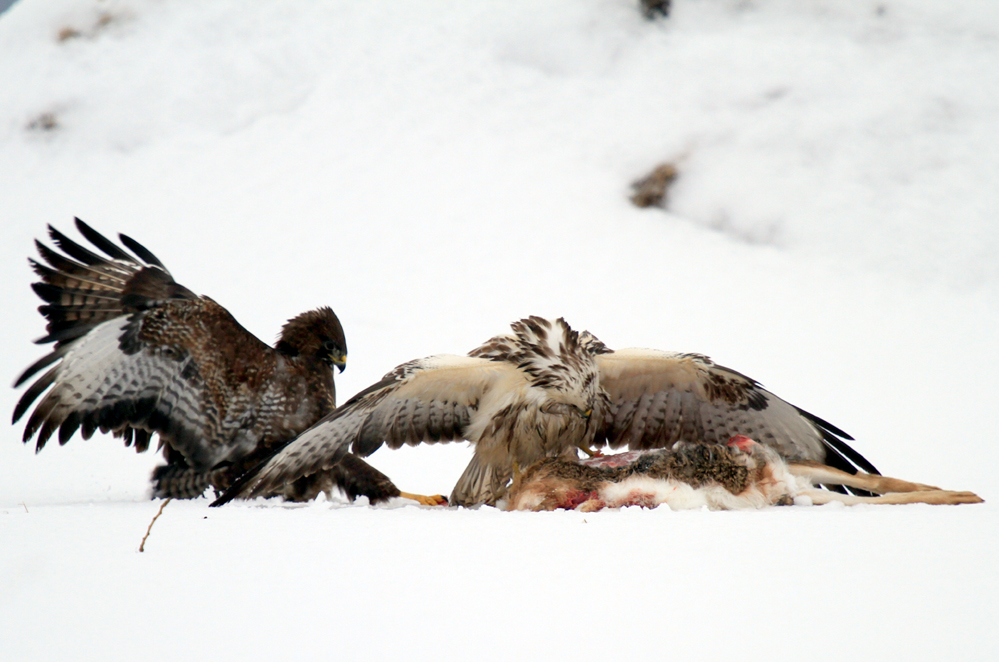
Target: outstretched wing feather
column 78, row 252
column 116, row 377
column 425, row 401
column 658, row 398
column 144, row 253
column 102, row 243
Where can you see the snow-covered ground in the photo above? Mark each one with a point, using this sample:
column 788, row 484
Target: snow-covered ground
column 436, row 170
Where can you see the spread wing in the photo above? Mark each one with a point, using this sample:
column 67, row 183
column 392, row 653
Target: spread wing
column 424, row 401
column 136, row 353
column 658, row 398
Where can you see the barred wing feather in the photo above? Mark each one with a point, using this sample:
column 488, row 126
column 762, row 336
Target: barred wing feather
column 424, row 401
column 658, row 398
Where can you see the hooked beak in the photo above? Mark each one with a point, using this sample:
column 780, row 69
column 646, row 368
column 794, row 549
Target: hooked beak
column 339, row 360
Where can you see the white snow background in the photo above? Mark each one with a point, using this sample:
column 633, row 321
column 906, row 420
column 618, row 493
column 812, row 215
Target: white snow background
column 436, row 170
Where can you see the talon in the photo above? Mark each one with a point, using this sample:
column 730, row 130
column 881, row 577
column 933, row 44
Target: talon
column 592, row 453
column 433, row 500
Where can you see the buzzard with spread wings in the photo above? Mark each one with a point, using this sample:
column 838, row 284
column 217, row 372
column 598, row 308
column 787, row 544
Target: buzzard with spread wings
column 136, row 353
column 546, row 390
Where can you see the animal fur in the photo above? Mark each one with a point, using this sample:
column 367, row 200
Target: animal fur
column 739, row 475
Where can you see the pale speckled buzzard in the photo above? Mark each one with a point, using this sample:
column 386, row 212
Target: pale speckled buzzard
column 137, row 354
column 544, row 391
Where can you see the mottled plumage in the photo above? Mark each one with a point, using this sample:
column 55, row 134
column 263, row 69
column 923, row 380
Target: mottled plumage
column 545, row 390
column 136, row 353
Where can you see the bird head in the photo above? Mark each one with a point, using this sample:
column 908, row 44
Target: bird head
column 317, row 335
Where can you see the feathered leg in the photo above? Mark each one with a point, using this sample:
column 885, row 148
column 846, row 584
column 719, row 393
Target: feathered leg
column 180, row 481
column 480, row 483
column 354, row 477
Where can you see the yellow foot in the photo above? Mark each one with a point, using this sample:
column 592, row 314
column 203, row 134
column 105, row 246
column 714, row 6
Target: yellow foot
column 434, row 500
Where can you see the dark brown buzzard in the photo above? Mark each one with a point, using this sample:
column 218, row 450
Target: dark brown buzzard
column 137, row 353
column 544, row 391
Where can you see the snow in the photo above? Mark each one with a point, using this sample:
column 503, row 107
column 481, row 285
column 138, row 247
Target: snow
column 436, row 170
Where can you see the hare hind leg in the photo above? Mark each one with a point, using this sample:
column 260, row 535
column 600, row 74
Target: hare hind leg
column 934, row 497
column 822, row 474
column 892, row 490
